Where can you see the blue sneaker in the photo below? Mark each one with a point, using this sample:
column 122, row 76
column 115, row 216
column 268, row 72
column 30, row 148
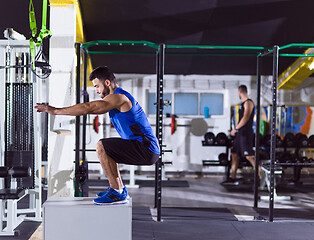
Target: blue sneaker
column 125, row 190
column 111, row 196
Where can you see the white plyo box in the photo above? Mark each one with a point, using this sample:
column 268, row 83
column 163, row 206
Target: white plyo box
column 78, row 218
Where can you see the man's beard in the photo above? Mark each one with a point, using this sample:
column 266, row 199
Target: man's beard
column 105, row 92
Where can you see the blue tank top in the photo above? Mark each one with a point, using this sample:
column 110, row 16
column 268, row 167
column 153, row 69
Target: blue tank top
column 133, row 124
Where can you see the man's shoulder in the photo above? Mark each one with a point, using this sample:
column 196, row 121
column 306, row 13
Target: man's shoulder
column 249, row 102
column 115, row 97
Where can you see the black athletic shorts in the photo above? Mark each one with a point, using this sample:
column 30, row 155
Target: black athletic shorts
column 130, row 152
column 243, row 144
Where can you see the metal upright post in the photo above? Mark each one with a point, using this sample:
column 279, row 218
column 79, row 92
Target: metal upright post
column 257, row 139
column 84, row 185
column 77, row 119
column 273, row 133
column 159, row 121
column 157, row 127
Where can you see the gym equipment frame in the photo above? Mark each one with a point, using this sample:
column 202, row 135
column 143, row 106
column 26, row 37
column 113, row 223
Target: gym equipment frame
column 20, row 136
column 275, row 54
column 81, row 187
column 161, row 51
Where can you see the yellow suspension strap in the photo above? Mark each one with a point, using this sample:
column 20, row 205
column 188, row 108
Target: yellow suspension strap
column 44, row 32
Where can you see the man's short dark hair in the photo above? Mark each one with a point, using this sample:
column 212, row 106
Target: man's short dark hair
column 103, row 74
column 243, row 89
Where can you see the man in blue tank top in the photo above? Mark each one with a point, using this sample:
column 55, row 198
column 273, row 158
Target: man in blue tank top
column 137, row 145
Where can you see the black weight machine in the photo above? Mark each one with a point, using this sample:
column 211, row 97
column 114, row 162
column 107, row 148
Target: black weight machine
column 20, row 135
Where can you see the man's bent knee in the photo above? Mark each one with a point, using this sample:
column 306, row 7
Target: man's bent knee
column 100, row 147
column 250, row 157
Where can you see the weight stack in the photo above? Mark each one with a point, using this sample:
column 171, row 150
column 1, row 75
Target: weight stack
column 19, row 131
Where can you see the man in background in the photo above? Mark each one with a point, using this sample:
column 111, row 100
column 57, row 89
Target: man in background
column 243, row 133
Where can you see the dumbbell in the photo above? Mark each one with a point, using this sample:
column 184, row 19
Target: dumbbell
column 298, row 159
column 221, row 139
column 267, row 139
column 263, row 155
column 15, row 172
column 286, row 157
column 278, row 157
column 289, row 140
column 302, row 140
column 231, row 139
column 223, row 159
column 311, row 141
column 209, row 138
column 302, row 159
column 279, row 142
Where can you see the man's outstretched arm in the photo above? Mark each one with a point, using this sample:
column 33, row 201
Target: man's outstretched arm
column 94, row 107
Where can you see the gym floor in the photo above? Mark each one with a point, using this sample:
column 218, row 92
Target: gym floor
column 204, row 209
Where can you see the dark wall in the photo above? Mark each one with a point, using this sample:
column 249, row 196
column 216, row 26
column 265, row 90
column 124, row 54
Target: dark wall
column 211, row 22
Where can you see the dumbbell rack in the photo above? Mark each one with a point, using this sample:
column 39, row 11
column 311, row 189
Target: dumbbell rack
column 216, row 163
column 297, row 166
column 279, row 167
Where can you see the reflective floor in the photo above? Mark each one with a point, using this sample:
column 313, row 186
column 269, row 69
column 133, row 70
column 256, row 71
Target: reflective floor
column 202, row 208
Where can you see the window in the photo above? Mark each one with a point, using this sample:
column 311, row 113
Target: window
column 189, row 103
column 152, row 100
column 186, row 103
column 214, row 101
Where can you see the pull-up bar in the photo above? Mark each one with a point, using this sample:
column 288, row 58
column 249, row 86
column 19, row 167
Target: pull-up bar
column 259, row 50
column 120, row 43
column 297, row 45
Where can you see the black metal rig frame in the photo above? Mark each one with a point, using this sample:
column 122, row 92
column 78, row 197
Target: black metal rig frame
column 160, row 52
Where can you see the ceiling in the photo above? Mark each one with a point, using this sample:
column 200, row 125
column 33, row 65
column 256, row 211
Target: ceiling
column 14, row 14
column 201, row 22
